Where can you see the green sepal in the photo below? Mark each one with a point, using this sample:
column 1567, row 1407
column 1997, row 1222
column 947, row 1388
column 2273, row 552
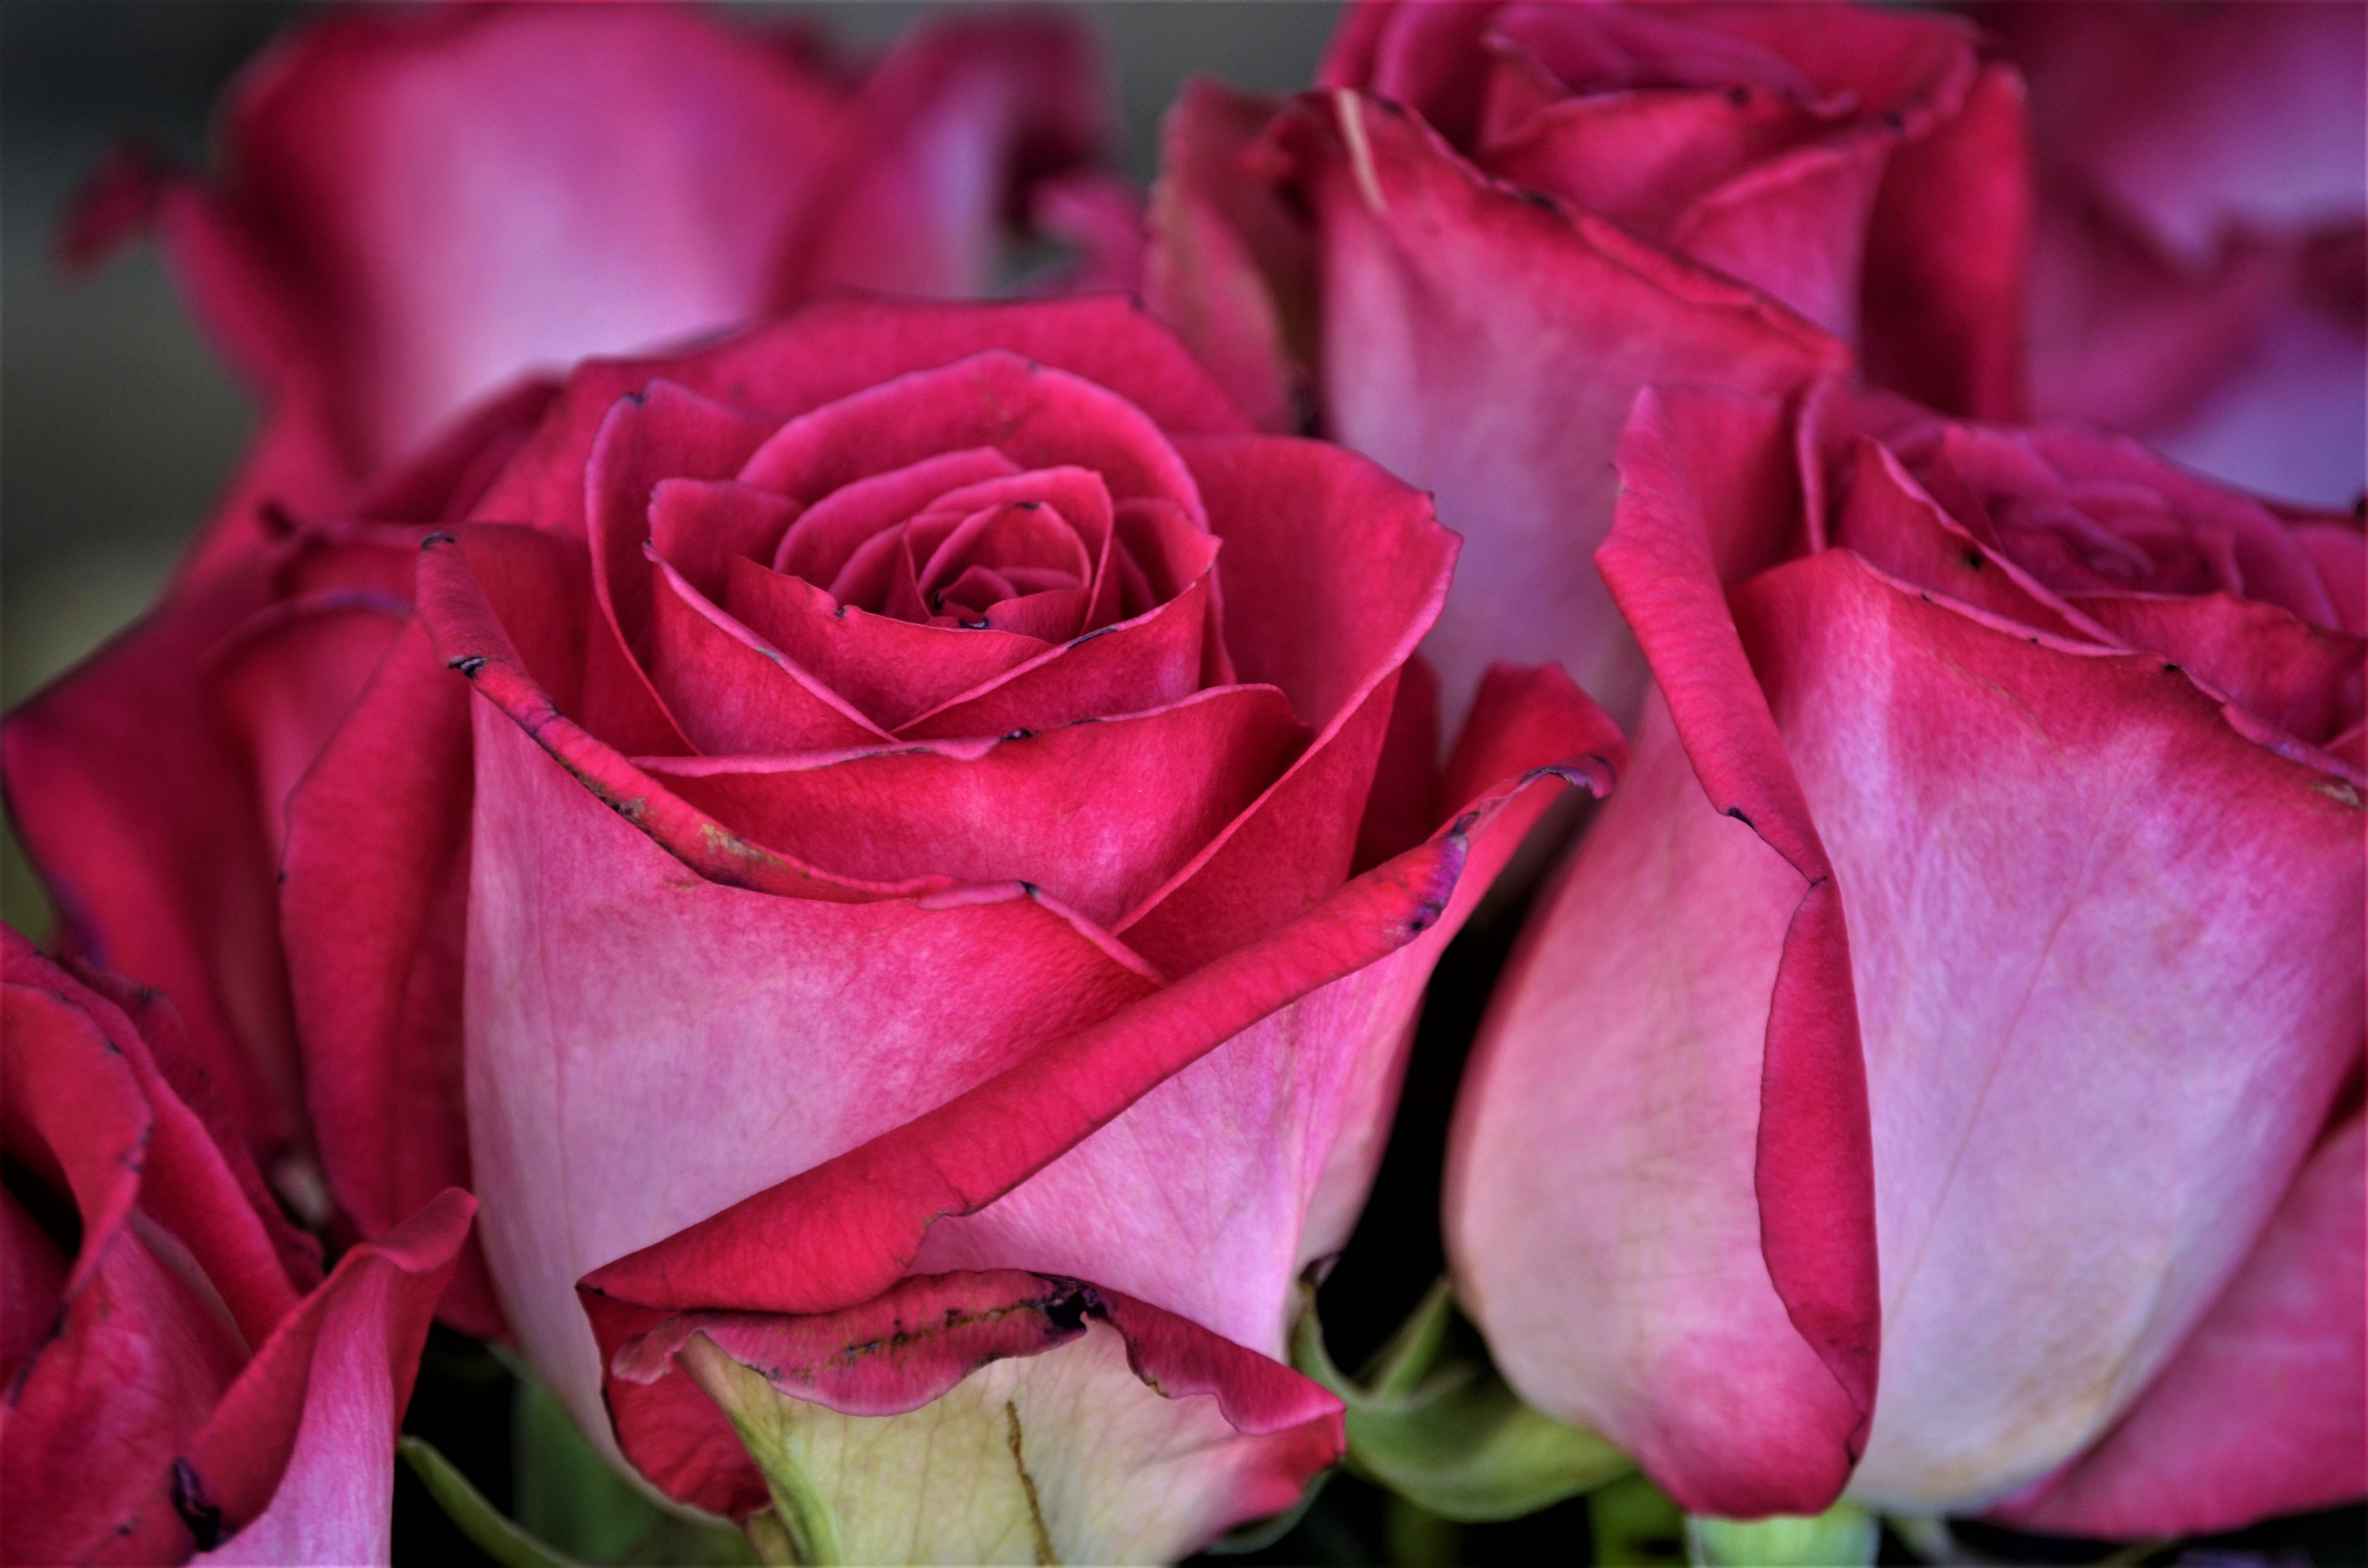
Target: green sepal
column 569, row 1495
column 1841, row 1537
column 1635, row 1524
column 1443, row 1430
column 478, row 1520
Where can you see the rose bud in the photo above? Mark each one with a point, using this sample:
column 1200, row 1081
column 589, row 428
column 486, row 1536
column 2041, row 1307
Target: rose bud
column 938, row 870
column 2200, row 276
column 179, row 1377
column 420, row 206
column 1935, row 1081
column 1497, row 222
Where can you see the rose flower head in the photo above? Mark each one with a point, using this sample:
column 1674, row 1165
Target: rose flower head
column 936, row 874
column 1981, row 1017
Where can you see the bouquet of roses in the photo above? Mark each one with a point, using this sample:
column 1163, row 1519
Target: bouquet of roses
column 828, row 847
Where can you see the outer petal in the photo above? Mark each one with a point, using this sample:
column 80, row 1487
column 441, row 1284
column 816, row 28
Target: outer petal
column 2261, row 1411
column 1732, row 1348
column 839, row 346
column 587, row 940
column 297, row 1464
column 1487, row 346
column 2115, row 832
column 1334, row 570
column 2198, row 266
column 1229, row 264
column 1948, row 251
column 140, row 818
column 410, row 181
column 1096, row 814
column 852, row 1226
column 371, row 900
column 175, row 1272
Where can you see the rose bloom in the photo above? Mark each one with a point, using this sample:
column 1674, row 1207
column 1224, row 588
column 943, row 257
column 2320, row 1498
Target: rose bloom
column 2200, row 278
column 1497, row 222
column 951, row 854
column 180, row 1379
column 1936, row 1079
column 420, row 208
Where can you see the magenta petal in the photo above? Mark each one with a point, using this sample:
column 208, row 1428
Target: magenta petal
column 1947, row 253
column 1096, row 814
column 828, row 533
column 298, row 1455
column 701, row 526
column 886, row 669
column 1465, row 389
column 1229, row 261
column 1149, row 662
column 837, row 347
column 2158, row 1164
column 578, row 981
column 164, row 873
column 1037, row 416
column 1336, row 569
column 733, row 694
column 659, row 142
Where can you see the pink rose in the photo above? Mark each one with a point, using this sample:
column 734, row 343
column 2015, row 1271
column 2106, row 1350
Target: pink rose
column 2201, row 273
column 951, row 854
column 1497, row 222
column 1935, row 1080
column 423, row 208
column 179, row 1377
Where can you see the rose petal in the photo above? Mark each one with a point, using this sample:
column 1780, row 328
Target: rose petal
column 164, row 873
column 1886, row 517
column 701, row 526
column 1690, row 1361
column 886, row 669
column 174, row 1269
column 1640, row 156
column 2112, row 798
column 938, row 1167
column 1795, row 225
column 957, row 114
column 1947, row 248
column 655, row 433
column 1773, row 1064
column 837, row 347
column 734, row 695
column 281, row 689
column 1228, row 263
column 828, row 533
column 1035, row 415
column 2340, row 556
column 366, row 156
column 1463, row 390
column 1096, row 814
column 1336, row 568
column 2304, row 680
column 785, row 1066
column 2260, row 1412
column 371, row 909
column 296, row 1458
